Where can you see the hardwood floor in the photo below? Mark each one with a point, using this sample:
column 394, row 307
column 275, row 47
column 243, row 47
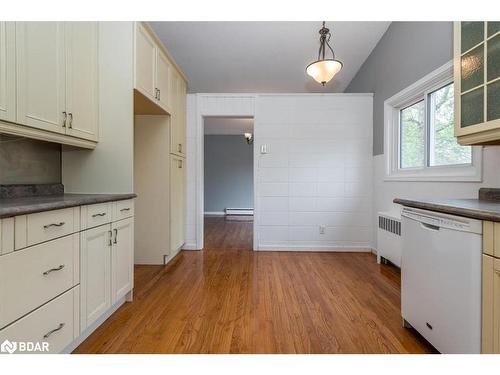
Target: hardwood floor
column 229, row 299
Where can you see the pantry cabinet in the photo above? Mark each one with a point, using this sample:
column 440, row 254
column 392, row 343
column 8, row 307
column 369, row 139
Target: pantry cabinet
column 178, row 120
column 7, row 71
column 177, row 202
column 477, row 82
column 49, row 82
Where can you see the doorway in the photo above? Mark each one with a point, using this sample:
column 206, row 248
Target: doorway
column 228, row 182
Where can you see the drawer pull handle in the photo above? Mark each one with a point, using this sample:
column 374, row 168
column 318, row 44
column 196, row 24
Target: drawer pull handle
column 54, row 225
column 53, row 270
column 101, row 214
column 125, row 209
column 48, row 334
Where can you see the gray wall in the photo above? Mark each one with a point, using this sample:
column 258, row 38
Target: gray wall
column 407, row 52
column 27, row 161
column 228, row 172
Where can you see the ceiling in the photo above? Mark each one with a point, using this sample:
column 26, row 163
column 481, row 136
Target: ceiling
column 228, row 125
column 232, row 57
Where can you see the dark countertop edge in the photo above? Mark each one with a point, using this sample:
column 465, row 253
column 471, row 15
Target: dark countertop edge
column 67, row 200
column 449, row 209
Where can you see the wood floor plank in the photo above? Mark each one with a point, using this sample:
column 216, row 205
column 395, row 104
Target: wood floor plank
column 230, row 299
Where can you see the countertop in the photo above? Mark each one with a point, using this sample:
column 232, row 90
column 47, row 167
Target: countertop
column 473, row 208
column 20, row 206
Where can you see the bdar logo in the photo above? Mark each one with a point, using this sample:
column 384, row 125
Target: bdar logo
column 8, row 347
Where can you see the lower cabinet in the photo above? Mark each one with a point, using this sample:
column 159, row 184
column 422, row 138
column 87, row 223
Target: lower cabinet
column 95, row 281
column 107, row 254
column 122, row 259
column 491, row 305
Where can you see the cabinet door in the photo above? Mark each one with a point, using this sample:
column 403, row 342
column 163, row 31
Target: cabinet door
column 178, row 116
column 41, row 75
column 7, row 71
column 177, row 202
column 95, row 273
column 491, row 306
column 181, row 124
column 122, row 258
column 145, row 58
column 82, row 103
column 162, row 79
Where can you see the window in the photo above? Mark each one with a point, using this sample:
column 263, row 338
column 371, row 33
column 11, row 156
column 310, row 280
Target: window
column 419, row 134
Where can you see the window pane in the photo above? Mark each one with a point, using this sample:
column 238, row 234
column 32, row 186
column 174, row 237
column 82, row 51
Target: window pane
column 412, row 136
column 443, row 147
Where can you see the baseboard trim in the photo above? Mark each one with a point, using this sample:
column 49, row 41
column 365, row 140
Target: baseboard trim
column 214, row 213
column 190, row 246
column 302, row 248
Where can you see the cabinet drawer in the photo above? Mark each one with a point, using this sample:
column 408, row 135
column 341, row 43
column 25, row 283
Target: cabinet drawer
column 95, row 214
column 123, row 209
column 33, row 276
column 55, row 323
column 44, row 226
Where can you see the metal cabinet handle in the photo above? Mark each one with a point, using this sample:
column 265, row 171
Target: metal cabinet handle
column 159, row 94
column 156, row 93
column 110, row 238
column 99, row 214
column 70, row 115
column 54, row 225
column 179, row 163
column 116, row 236
column 48, row 334
column 179, row 147
column 125, row 209
column 53, row 270
column 64, row 118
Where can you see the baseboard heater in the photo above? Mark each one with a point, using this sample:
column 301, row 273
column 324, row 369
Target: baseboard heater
column 239, row 211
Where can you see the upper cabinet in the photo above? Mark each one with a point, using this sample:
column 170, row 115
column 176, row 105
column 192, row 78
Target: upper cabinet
column 160, row 86
column 477, row 82
column 152, row 69
column 7, row 71
column 49, row 81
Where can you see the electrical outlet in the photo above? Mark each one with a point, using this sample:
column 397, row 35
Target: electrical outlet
column 263, row 149
column 321, row 229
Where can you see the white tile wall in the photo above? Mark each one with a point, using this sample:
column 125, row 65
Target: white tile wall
column 317, row 171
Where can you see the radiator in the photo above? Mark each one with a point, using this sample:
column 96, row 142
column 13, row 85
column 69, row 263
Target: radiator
column 389, row 238
column 239, row 211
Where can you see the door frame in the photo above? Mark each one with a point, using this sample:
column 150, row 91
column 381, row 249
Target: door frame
column 220, row 105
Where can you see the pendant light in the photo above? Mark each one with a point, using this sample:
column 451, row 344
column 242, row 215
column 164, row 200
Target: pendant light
column 324, row 69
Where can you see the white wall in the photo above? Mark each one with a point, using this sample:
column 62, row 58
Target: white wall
column 386, row 191
column 318, row 169
column 108, row 168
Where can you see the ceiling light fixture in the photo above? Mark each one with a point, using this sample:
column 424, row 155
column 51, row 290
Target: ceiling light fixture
column 323, row 70
column 249, row 138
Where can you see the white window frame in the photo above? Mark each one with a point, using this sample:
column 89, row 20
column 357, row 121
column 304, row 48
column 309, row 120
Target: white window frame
column 418, row 91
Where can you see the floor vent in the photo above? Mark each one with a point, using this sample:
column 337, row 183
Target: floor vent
column 389, row 238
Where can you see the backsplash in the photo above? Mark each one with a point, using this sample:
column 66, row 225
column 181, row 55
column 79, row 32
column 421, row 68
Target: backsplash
column 28, row 161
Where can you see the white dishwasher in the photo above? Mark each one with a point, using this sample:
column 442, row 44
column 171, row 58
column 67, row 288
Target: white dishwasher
column 441, row 279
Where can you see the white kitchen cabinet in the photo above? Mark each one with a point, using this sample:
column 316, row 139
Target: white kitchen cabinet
column 162, row 79
column 177, row 202
column 41, row 75
column 178, row 117
column 82, row 89
column 122, row 258
column 7, row 71
column 145, row 62
column 95, row 282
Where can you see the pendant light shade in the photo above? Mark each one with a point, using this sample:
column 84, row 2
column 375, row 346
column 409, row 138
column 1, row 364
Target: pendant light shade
column 324, row 69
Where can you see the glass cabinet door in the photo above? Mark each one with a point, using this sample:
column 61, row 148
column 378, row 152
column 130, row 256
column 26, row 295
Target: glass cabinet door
column 477, row 51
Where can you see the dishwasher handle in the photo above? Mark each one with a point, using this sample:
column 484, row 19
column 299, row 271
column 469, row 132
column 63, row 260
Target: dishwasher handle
column 429, row 226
